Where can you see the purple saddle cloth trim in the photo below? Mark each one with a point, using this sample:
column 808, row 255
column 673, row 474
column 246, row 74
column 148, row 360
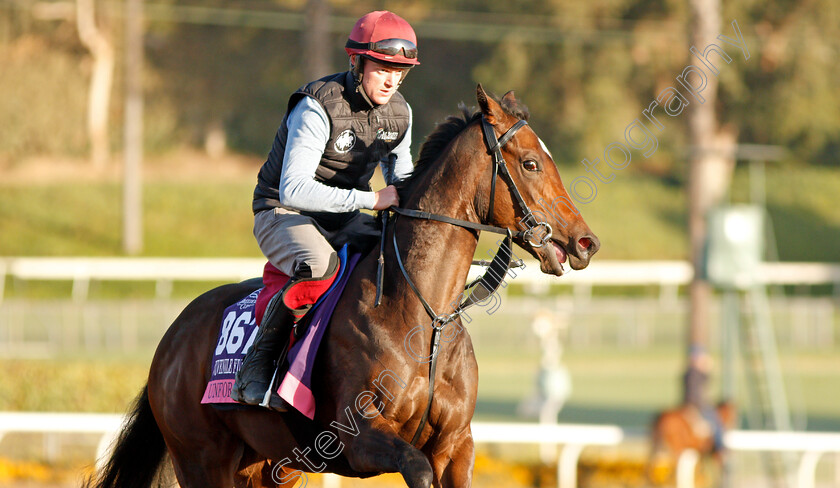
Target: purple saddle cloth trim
column 296, row 387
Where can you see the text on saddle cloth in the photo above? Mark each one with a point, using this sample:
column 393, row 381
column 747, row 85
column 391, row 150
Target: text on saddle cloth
column 239, row 327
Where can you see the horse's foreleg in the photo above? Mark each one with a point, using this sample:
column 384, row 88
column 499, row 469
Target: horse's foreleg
column 374, row 451
column 254, row 471
column 453, row 460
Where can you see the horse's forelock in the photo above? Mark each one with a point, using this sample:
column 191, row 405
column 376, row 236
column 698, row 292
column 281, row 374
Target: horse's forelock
column 515, row 108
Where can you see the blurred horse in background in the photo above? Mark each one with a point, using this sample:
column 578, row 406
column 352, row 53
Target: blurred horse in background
column 681, row 428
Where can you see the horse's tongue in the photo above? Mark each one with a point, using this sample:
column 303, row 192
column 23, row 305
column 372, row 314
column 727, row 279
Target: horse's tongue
column 560, row 252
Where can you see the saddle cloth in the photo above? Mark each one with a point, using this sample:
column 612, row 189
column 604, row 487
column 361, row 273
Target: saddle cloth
column 238, row 330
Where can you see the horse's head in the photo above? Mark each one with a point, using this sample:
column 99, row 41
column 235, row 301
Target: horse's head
column 534, row 176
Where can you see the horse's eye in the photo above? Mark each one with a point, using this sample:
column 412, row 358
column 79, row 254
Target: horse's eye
column 530, row 165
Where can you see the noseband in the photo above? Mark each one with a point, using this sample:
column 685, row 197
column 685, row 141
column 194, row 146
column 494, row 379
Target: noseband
column 486, row 285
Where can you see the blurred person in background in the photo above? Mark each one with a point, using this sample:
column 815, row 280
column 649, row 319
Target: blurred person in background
column 317, row 177
column 695, row 385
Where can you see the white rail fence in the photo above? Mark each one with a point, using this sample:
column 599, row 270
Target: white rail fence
column 42, row 327
column 106, row 425
column 572, row 438
column 668, row 275
column 811, row 445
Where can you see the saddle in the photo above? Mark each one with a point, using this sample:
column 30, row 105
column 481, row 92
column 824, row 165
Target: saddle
column 299, row 296
column 239, row 327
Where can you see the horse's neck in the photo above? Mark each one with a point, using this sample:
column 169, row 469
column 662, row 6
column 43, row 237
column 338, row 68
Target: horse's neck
column 438, row 255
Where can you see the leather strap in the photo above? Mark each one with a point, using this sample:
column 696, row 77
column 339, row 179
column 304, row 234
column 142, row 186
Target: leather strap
column 423, row 301
column 499, row 267
column 384, row 216
column 418, row 214
column 487, row 284
column 494, row 148
column 432, row 367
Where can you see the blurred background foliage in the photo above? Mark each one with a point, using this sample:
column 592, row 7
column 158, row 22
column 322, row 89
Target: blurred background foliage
column 222, row 71
column 586, row 70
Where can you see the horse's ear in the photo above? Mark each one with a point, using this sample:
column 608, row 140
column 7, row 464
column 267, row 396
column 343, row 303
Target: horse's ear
column 490, row 108
column 509, row 97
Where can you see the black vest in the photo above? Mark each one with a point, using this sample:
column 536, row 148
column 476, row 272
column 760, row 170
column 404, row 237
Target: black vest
column 360, row 136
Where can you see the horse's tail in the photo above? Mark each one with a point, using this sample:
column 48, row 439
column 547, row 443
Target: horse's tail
column 138, row 454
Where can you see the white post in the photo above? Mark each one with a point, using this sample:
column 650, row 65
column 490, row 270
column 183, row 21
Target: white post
column 808, row 469
column 837, row 469
column 567, row 466
column 686, row 468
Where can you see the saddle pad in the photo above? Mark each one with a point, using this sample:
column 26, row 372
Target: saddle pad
column 238, row 330
column 296, row 387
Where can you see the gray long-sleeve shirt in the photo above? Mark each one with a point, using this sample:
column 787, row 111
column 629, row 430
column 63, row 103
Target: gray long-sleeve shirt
column 309, row 130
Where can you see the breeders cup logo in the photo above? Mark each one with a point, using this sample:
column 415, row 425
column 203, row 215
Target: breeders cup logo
column 248, row 301
column 386, row 136
column 345, row 141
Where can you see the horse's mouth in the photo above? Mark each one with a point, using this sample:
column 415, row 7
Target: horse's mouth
column 552, row 256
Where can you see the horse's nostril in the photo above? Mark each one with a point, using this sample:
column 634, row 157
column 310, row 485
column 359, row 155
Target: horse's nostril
column 584, row 242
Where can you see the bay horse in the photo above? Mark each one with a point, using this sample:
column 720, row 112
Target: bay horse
column 372, row 394
column 681, row 428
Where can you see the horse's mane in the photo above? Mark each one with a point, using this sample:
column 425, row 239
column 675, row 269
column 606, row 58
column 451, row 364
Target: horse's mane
column 446, row 131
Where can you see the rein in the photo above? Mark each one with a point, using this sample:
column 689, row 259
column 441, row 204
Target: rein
column 486, row 285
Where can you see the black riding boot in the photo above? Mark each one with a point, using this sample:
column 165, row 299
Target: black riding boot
column 255, row 375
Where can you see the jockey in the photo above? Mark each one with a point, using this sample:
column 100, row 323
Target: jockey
column 317, row 177
column 695, row 380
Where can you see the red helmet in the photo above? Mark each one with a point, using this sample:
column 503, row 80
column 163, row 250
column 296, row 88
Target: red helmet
column 384, row 36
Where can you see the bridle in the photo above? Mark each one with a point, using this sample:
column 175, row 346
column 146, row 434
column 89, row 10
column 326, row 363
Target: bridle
column 500, row 166
column 483, row 287
column 529, row 221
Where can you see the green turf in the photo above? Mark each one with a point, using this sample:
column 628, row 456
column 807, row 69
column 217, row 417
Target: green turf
column 608, row 386
column 636, row 216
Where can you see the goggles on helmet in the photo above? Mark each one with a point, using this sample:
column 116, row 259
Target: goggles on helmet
column 389, row 47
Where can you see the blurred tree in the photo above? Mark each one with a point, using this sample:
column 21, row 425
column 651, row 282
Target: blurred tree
column 132, row 236
column 787, row 93
column 98, row 42
column 586, row 69
column 317, row 48
column 43, row 82
column 711, row 162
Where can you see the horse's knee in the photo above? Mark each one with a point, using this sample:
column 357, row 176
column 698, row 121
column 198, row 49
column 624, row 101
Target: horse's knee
column 416, row 469
column 456, row 466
